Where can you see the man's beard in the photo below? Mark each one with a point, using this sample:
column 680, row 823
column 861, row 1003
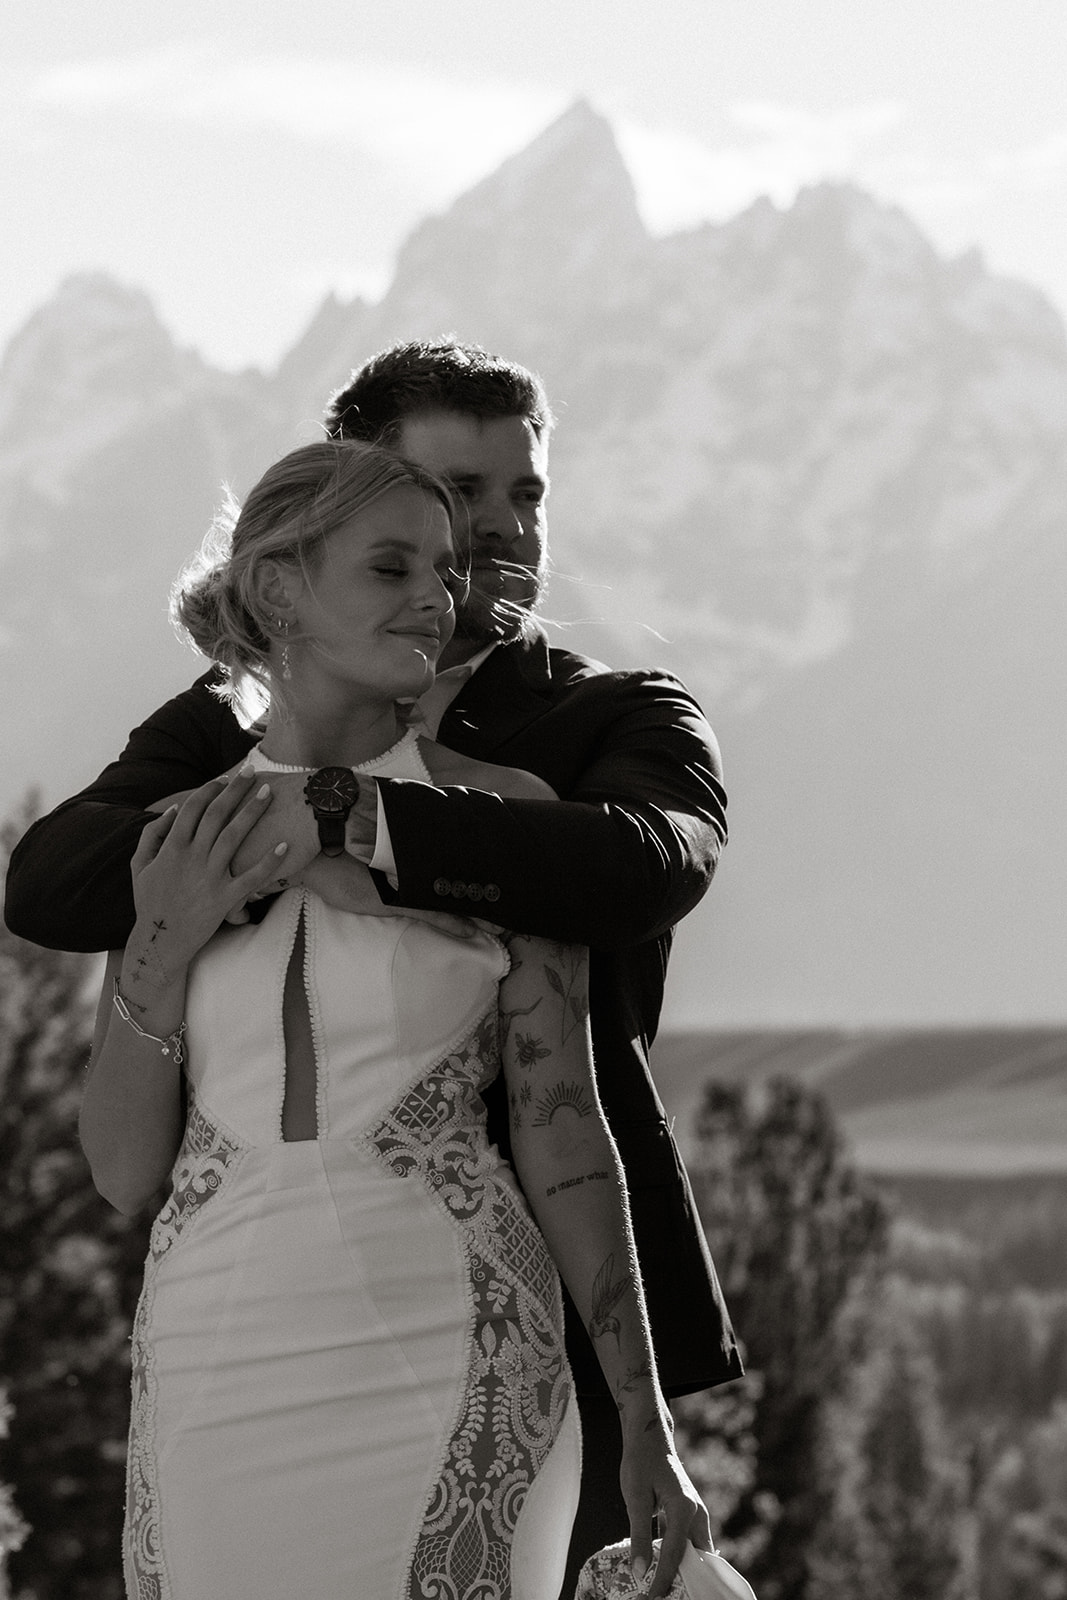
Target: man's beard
column 498, row 611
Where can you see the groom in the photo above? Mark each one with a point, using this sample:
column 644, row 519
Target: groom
column 627, row 851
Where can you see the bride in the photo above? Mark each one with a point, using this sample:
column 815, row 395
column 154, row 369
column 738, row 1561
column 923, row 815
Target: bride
column 348, row 1365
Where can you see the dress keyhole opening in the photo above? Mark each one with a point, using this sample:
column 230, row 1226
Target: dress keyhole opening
column 300, row 1114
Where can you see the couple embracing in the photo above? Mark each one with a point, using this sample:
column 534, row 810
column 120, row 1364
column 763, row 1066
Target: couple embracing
column 380, row 889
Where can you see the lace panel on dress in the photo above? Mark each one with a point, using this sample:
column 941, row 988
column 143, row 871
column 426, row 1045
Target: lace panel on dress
column 516, row 1387
column 205, row 1161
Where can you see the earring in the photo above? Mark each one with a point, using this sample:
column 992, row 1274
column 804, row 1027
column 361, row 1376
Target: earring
column 283, row 625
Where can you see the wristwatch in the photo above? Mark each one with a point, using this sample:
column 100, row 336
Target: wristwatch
column 331, row 793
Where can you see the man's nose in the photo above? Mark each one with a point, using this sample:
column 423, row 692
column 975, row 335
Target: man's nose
column 495, row 520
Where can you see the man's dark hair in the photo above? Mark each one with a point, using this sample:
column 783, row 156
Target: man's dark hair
column 430, row 375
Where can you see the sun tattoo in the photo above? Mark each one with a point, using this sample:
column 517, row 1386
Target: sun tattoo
column 562, row 1097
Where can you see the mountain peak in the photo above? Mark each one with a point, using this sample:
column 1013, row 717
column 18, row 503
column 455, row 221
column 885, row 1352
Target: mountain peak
column 94, row 338
column 571, row 165
column 579, row 134
column 86, row 308
column 556, row 221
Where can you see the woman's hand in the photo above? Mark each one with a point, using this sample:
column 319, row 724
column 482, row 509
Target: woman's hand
column 183, row 886
column 654, row 1482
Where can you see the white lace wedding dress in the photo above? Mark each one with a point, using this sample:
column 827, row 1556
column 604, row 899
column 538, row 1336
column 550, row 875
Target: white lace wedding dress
column 348, row 1371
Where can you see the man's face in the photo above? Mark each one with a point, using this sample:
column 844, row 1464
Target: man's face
column 498, row 469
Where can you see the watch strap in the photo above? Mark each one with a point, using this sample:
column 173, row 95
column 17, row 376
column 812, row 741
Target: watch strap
column 331, row 832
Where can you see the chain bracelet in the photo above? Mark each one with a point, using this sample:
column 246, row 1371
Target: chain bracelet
column 173, row 1044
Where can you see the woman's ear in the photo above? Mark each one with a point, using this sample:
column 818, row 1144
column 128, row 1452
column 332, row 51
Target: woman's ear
column 277, row 586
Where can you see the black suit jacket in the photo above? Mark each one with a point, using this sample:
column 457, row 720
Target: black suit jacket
column 630, row 850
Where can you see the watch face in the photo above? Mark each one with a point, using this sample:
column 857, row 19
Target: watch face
column 332, row 789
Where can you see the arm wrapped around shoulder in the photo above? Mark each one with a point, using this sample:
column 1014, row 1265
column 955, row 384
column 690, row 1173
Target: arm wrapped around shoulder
column 68, row 882
column 627, row 852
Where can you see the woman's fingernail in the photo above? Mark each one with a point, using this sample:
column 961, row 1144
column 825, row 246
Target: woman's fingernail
column 247, row 770
column 263, row 791
column 639, row 1566
column 280, row 849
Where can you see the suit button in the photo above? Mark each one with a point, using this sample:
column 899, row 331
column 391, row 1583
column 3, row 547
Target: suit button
column 459, row 890
column 442, row 886
column 492, row 892
column 474, row 891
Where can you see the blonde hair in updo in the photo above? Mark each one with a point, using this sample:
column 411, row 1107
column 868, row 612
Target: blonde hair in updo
column 216, row 605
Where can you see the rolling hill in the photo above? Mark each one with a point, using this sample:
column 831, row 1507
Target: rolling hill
column 989, row 1103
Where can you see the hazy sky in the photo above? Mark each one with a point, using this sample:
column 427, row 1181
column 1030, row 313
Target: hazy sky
column 238, row 160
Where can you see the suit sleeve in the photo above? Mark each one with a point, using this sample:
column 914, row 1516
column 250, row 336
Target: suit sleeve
column 628, row 850
column 68, row 881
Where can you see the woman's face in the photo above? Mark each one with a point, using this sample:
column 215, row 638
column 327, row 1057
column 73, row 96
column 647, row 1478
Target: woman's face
column 377, row 607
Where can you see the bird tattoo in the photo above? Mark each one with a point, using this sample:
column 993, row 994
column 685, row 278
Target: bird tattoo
column 606, row 1296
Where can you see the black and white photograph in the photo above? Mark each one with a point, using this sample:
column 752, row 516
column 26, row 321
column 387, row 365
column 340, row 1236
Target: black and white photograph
column 533, row 645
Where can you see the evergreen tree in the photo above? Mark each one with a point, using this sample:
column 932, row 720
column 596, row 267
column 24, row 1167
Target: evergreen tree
column 911, row 1491
column 718, row 1440
column 800, row 1242
column 13, row 1529
column 1023, row 1510
column 69, row 1269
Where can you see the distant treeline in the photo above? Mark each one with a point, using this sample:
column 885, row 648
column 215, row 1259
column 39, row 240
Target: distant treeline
column 1013, row 1229
column 937, row 1426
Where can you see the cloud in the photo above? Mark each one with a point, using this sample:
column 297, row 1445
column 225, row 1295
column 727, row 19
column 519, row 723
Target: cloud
column 681, row 181
column 434, row 135
column 447, row 132
column 1037, row 166
column 841, row 131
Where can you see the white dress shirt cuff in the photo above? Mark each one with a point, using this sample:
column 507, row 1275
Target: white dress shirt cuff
column 383, row 859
